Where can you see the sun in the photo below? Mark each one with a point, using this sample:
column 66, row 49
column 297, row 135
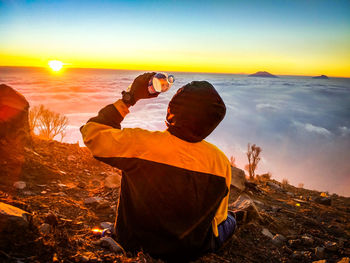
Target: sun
column 55, row 65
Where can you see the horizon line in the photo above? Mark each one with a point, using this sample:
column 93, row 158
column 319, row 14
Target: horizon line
column 200, row 72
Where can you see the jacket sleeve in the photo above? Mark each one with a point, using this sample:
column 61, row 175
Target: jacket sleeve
column 103, row 134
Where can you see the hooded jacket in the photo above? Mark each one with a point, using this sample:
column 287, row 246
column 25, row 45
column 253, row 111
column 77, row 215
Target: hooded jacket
column 175, row 185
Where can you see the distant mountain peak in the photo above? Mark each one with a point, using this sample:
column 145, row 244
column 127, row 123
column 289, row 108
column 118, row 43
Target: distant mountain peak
column 320, row 77
column 263, row 74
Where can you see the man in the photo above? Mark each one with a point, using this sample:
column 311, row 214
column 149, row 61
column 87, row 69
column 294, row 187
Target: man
column 175, row 186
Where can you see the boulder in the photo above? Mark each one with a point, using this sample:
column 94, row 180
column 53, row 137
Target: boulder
column 14, row 225
column 238, row 178
column 13, row 115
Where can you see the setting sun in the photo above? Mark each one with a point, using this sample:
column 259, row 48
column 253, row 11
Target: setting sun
column 55, row 65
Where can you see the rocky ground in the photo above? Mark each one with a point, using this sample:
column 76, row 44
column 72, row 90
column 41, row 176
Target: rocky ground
column 67, row 193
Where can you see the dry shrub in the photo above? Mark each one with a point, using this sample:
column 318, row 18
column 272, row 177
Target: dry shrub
column 253, row 159
column 264, row 177
column 285, row 182
column 301, row 185
column 47, row 123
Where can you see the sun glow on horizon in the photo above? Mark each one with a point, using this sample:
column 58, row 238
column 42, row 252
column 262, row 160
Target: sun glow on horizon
column 55, row 65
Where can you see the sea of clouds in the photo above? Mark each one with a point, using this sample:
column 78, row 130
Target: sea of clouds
column 302, row 124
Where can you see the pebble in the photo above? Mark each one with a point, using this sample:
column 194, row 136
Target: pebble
column 278, row 239
column 107, row 225
column 294, row 242
column 267, row 233
column 92, row 200
column 323, row 200
column 307, row 240
column 111, row 244
column 20, row 185
column 44, row 192
column 275, row 209
column 44, row 228
column 319, row 252
column 331, row 246
column 320, row 261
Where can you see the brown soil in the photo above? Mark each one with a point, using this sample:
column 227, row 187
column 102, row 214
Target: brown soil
column 59, row 177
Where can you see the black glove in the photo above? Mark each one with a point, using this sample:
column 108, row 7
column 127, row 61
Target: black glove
column 139, row 89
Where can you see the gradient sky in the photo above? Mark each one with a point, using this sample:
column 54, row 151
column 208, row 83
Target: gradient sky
column 282, row 37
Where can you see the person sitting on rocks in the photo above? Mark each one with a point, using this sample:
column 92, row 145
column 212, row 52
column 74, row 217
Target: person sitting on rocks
column 175, row 186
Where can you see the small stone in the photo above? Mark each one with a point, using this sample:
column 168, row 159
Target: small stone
column 92, row 200
column 28, row 193
column 20, row 185
column 111, row 244
column 44, row 192
column 267, row 233
column 44, row 228
column 62, row 185
column 71, row 158
column 307, row 240
column 319, row 252
column 320, row 261
column 51, row 219
column 60, row 194
column 273, row 185
column 278, row 240
column 323, row 200
column 112, row 181
column 275, row 209
column 107, row 225
column 331, row 246
column 297, row 255
column 294, row 243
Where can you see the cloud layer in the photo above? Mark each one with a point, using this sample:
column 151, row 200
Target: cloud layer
column 302, row 124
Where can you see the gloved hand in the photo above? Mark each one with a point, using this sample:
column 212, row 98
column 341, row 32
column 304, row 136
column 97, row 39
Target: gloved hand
column 139, row 88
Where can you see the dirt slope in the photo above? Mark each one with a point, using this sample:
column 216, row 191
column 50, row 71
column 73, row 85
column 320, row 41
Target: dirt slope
column 69, row 193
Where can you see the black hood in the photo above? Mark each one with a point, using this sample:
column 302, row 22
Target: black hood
column 195, row 111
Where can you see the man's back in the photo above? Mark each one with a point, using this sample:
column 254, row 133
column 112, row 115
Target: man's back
column 171, row 190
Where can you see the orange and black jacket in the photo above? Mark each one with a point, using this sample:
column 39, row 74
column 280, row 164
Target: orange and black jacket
column 174, row 193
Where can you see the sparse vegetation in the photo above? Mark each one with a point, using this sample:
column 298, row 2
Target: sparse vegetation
column 301, row 185
column 285, row 182
column 253, row 155
column 46, row 123
column 264, row 177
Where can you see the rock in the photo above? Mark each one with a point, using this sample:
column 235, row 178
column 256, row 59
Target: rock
column 12, row 217
column 111, row 244
column 344, row 260
column 307, row 240
column 273, row 185
column 278, row 240
column 112, row 181
column 275, row 209
column 20, row 185
column 320, row 77
column 71, row 158
column 263, row 74
column 323, row 200
column 245, row 205
column 331, row 246
column 319, row 252
column 294, row 243
column 45, row 229
column 92, row 200
column 267, row 233
column 60, row 194
column 107, row 225
column 14, row 116
column 51, row 219
column 238, row 178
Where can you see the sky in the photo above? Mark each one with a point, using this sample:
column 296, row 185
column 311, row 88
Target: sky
column 283, row 37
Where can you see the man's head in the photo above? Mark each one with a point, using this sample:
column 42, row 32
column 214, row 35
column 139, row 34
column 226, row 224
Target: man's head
column 195, row 111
